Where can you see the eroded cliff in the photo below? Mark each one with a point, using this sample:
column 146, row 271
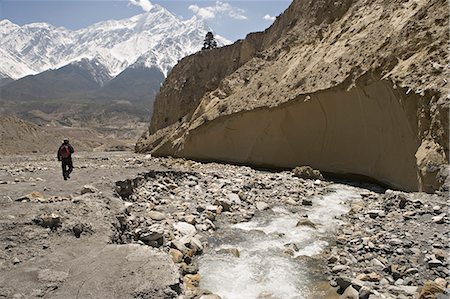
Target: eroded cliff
column 348, row 87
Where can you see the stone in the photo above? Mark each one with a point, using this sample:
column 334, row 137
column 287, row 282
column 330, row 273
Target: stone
column 375, row 213
column 350, row 293
column 185, row 228
column 152, row 238
column 234, row 198
column 78, row 229
column 429, row 289
column 441, row 282
column 307, row 172
column 377, row 263
column 434, row 263
column 364, row 292
column 395, row 242
column 411, row 271
column 190, row 219
column 189, row 269
column 372, row 277
column 224, row 203
column 408, row 290
column 158, row 216
column 16, row 261
column 52, row 221
column 261, row 206
column 306, row 222
column 35, row 195
column 439, row 219
column 179, row 246
column 191, row 280
column 340, row 268
column 307, row 202
column 88, row 189
column 332, row 259
column 210, row 296
column 196, row 245
column 176, row 255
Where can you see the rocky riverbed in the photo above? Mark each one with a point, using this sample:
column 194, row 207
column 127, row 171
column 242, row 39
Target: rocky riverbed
column 393, row 245
column 133, row 226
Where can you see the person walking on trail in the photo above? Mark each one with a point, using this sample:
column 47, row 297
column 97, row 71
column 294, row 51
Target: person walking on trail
column 64, row 154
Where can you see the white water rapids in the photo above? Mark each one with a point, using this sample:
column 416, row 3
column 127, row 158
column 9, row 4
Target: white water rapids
column 264, row 269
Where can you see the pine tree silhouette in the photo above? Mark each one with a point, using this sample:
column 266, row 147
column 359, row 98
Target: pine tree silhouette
column 210, row 41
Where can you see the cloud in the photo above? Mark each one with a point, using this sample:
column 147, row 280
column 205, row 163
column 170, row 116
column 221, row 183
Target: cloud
column 269, row 18
column 146, row 5
column 219, row 9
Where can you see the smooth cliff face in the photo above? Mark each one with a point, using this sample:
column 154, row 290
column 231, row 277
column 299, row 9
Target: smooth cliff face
column 348, row 87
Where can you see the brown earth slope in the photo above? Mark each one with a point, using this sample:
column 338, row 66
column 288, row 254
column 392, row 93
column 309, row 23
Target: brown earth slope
column 348, row 87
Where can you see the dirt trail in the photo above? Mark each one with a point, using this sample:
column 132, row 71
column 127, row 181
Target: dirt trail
column 40, row 254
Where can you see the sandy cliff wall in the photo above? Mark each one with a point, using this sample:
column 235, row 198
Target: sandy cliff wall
column 352, row 87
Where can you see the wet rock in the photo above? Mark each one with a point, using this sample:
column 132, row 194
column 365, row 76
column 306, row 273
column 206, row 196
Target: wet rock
column 88, row 189
column 189, row 269
column 307, row 172
column 306, row 222
column 191, row 280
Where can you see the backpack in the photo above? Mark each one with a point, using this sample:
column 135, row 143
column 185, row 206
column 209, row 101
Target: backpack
column 64, row 151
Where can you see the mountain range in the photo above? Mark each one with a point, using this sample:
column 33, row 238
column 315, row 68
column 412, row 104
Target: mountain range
column 124, row 59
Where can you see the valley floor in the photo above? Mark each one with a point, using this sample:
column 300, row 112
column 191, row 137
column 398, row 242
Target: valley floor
column 132, row 226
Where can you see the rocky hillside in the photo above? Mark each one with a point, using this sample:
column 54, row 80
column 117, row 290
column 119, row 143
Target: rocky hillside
column 348, row 87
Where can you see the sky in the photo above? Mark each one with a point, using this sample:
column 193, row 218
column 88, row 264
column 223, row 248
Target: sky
column 231, row 19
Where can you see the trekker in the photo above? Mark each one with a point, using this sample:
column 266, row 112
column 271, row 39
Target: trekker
column 64, row 154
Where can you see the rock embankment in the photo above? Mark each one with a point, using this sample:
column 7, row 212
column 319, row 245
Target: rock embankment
column 348, row 87
column 393, row 246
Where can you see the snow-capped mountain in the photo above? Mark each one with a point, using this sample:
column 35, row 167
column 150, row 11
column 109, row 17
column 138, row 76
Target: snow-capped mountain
column 154, row 39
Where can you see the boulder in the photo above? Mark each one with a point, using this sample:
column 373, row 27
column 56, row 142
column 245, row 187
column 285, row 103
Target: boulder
column 88, row 189
column 306, row 172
